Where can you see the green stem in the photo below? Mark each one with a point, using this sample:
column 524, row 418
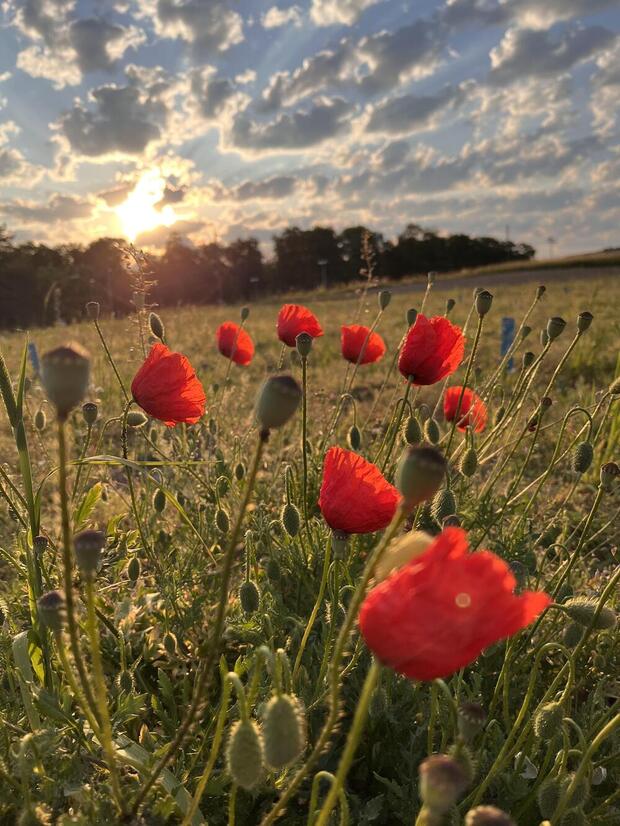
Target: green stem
column 315, row 610
column 111, row 360
column 470, row 363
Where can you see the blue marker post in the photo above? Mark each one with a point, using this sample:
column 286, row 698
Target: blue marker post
column 34, row 358
column 508, row 336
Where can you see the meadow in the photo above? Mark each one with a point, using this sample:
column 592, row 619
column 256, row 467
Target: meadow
column 218, row 623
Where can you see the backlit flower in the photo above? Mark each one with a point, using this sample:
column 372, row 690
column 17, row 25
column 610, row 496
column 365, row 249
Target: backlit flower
column 472, row 411
column 234, row 343
column 360, row 345
column 433, row 349
column 294, row 319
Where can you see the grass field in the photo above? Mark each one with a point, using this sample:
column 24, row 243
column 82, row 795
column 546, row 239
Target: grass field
column 548, row 697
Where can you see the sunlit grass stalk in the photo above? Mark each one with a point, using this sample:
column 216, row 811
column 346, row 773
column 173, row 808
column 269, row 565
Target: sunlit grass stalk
column 85, row 446
column 304, row 434
column 315, row 610
column 396, row 427
column 470, row 364
column 110, row 359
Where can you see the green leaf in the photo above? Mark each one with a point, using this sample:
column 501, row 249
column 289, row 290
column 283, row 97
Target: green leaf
column 86, row 507
column 22, row 380
column 25, row 676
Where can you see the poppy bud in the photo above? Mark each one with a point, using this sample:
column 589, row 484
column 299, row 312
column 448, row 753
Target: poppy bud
column 583, row 321
column 39, row 544
column 156, row 326
column 469, row 462
column 222, row 520
column 499, row 414
column 284, row 731
column 272, row 570
column 88, row 547
column 431, row 430
column 581, row 791
column 413, row 431
column 581, row 459
column 544, row 338
column 442, row 782
column 355, row 438
column 239, row 471
column 133, row 569
column 401, row 551
column 484, row 300
column 488, row 816
column 609, row 474
column 573, row 635
column 453, row 520
column 92, row 310
column 303, row 342
column 40, row 419
column 583, row 609
column 290, row 519
column 555, row 326
column 548, row 721
column 245, row 313
column 528, row 359
column 614, row 387
column 222, row 485
column 249, row 596
column 525, row 331
column 444, row 504
column 419, row 474
column 212, row 423
column 159, row 500
column 136, row 418
column 64, row 373
column 574, row 817
column 450, row 305
column 244, row 754
column 471, row 718
column 278, row 399
column 340, row 542
column 540, row 291
column 412, row 314
column 599, row 775
column 52, row 609
column 90, row 411
column 384, row 298
column 548, row 795
column 169, row 642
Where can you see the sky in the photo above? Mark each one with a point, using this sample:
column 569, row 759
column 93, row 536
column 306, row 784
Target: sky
column 219, row 120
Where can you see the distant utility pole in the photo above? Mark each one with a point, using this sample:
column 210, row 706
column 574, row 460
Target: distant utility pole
column 551, row 242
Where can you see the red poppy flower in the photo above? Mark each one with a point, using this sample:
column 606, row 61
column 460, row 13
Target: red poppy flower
column 433, row 349
column 234, row 343
column 440, row 611
column 359, row 345
column 167, row 388
column 294, row 319
column 473, row 411
column 355, row 496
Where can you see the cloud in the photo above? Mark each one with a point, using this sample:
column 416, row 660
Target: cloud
column 15, row 170
column 160, row 236
column 280, row 186
column 339, row 12
column 211, row 93
column 526, row 52
column 58, row 208
column 531, row 14
column 405, row 114
column 99, row 45
column 276, row 17
column 207, row 26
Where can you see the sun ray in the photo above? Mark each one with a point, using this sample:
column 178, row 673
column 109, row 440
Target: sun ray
column 140, row 211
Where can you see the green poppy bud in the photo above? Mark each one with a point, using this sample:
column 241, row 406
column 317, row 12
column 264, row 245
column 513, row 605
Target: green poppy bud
column 484, row 300
column 278, row 399
column 499, row 414
column 573, row 634
column 239, row 471
column 528, row 359
column 548, row 795
column 609, row 476
column 355, row 438
column 249, row 596
column 159, row 500
column 273, row 570
column 444, row 504
column 133, row 569
column 412, row 314
column 291, row 519
column 385, row 296
column 581, row 459
column 469, row 462
column 156, row 326
column 245, row 754
column 52, row 609
column 303, row 342
column 245, row 313
column 88, row 546
column 90, row 412
column 420, row 473
column 39, row 545
column 65, row 372
column 170, row 642
column 525, row 331
column 222, row 520
column 583, row 610
column 222, row 485
column 136, row 418
column 555, row 326
column 40, row 420
column 450, row 306
column 413, row 431
column 92, row 310
column 431, row 431
column 471, row 718
column 583, row 321
column 540, row 291
column 453, row 520
column 574, row 817
column 284, row 731
column 443, row 780
column 548, row 720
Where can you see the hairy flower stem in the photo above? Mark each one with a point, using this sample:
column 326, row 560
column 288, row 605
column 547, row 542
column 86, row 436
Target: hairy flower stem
column 78, row 474
column 101, row 693
column 67, row 566
column 315, row 610
column 352, row 742
column 73, row 684
column 396, row 429
column 111, row 360
column 304, row 436
column 202, row 680
column 335, row 675
column 470, row 364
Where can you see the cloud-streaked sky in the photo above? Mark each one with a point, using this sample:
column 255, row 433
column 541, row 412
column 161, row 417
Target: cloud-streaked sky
column 218, row 119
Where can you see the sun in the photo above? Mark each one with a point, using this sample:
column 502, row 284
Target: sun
column 140, row 212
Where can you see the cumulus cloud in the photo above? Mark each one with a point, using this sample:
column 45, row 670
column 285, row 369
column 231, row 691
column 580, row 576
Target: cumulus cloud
column 160, row 236
column 57, row 208
column 279, row 186
column 207, row 26
column 275, row 17
column 530, row 14
column 404, row 114
column 339, row 12
column 15, row 169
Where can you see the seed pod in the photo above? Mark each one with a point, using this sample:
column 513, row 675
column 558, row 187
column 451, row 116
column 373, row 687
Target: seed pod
column 157, row 326
column 249, row 596
column 52, row 609
column 582, row 610
column 413, row 431
column 484, row 300
column 540, row 291
column 133, row 569
column 136, row 418
column 453, row 520
column 442, row 782
column 385, row 296
column 90, row 412
column 583, row 321
column 450, row 306
column 548, row 721
column 412, row 314
column 609, row 475
column 88, row 546
column 303, row 342
column 222, row 485
column 528, row 359
column 431, row 431
column 488, row 816
column 159, row 500
column 65, row 373
column 573, row 634
column 245, row 313
column 239, row 471
column 444, row 504
column 222, row 520
column 92, row 310
column 499, row 414
column 40, row 419
column 471, row 718
column 469, row 462
column 548, row 795
column 555, row 326
column 245, row 754
column 291, row 519
column 170, row 642
column 278, row 399
column 355, row 438
column 284, row 731
column 581, row 459
column 419, row 474
column 525, row 332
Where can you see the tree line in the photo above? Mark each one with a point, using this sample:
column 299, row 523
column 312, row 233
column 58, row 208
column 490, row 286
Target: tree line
column 41, row 285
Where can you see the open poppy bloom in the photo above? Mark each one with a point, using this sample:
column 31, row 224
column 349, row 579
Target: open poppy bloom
column 234, row 343
column 167, row 388
column 473, row 411
column 433, row 349
column 355, row 496
column 360, row 345
column 294, row 319
column 441, row 610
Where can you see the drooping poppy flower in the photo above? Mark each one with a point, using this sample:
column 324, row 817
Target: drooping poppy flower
column 433, row 349
column 355, row 496
column 473, row 411
column 234, row 343
column 441, row 610
column 360, row 345
column 294, row 319
column 166, row 387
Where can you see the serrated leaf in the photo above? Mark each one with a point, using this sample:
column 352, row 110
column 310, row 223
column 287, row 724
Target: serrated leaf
column 86, row 507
